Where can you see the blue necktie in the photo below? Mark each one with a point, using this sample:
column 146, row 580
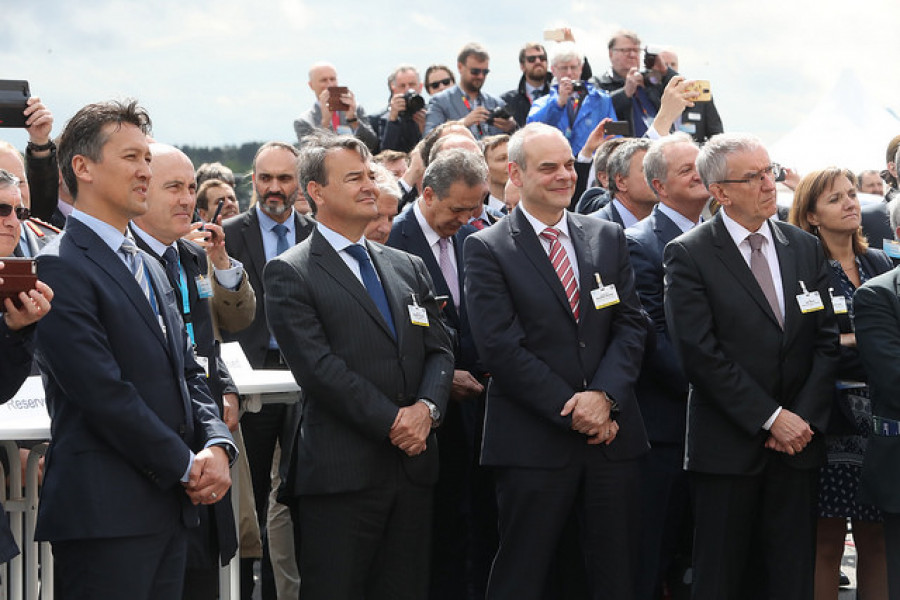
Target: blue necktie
column 281, row 231
column 373, row 285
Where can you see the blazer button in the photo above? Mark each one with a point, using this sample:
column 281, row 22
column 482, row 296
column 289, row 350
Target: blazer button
column 582, row 345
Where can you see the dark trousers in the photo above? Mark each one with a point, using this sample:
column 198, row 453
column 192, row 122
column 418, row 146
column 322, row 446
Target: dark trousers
column 892, row 544
column 755, row 535
column 147, row 567
column 534, row 507
column 373, row 544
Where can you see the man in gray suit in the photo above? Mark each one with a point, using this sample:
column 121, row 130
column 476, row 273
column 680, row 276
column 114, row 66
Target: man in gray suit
column 359, row 326
column 352, row 121
column 466, row 102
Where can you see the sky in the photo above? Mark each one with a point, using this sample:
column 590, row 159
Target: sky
column 233, row 71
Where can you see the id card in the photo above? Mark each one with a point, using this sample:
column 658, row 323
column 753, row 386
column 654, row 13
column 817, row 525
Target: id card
column 809, row 301
column 204, row 287
column 839, row 303
column 203, row 362
column 604, row 296
column 418, row 315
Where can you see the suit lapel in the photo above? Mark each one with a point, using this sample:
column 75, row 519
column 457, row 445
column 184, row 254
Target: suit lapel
column 418, row 245
column 254, row 243
column 787, row 264
column 585, row 252
column 666, row 230
column 387, row 273
column 524, row 237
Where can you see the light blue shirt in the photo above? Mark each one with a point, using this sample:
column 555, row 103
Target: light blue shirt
column 682, row 222
column 269, row 237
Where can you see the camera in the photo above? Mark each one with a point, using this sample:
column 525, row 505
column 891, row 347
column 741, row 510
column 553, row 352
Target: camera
column 579, row 87
column 497, row 113
column 414, row 103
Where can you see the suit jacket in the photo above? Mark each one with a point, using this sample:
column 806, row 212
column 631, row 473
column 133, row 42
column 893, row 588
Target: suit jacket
column 702, row 121
column 662, row 386
column 537, row 353
column 609, row 213
column 449, row 105
column 740, row 363
column 407, row 235
column 876, row 224
column 877, row 319
column 127, row 401
column 592, row 200
column 354, row 374
column 243, row 241
column 311, row 121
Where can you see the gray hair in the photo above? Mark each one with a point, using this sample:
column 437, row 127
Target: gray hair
column 385, row 181
column 655, row 164
column 516, row 147
column 401, row 69
column 619, row 162
column 312, row 159
column 564, row 52
column 712, row 162
column 7, row 179
column 452, row 166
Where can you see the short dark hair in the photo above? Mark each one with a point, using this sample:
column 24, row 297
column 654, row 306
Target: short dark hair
column 454, row 165
column 215, row 170
column 431, row 69
column 472, row 49
column 387, row 156
column 203, row 192
column 492, row 141
column 527, row 47
column 314, row 153
column 84, row 135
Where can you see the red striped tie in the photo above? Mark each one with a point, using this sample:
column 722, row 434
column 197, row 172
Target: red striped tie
column 560, row 261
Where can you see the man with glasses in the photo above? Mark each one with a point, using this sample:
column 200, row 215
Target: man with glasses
column 749, row 313
column 534, row 83
column 466, row 102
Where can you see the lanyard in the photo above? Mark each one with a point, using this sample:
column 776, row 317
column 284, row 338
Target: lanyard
column 185, row 302
column 469, row 107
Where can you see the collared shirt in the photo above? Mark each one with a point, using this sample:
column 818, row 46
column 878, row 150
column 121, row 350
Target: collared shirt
column 340, row 244
column 432, row 237
column 682, row 222
column 564, row 238
column 530, row 89
column 269, row 238
column 739, row 235
column 496, row 203
column 64, row 207
column 111, row 236
column 628, row 219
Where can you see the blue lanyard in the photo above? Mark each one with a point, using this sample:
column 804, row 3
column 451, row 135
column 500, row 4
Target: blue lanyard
column 185, row 302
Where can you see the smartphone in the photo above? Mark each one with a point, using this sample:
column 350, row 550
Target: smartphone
column 702, row 87
column 19, row 275
column 334, row 98
column 622, row 128
column 218, row 211
column 14, row 95
column 555, row 35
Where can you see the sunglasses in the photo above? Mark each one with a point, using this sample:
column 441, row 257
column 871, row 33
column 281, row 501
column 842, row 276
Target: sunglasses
column 540, row 57
column 22, row 213
column 438, row 83
column 476, row 72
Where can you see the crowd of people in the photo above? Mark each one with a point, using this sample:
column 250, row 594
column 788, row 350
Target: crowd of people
column 538, row 359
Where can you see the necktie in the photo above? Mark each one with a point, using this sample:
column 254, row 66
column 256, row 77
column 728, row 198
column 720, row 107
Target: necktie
column 170, row 260
column 478, row 224
column 759, row 266
column 283, row 244
column 560, row 261
column 373, row 285
column 136, row 264
column 448, row 271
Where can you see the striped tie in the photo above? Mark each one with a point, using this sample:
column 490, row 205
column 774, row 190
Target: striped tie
column 560, row 261
column 136, row 263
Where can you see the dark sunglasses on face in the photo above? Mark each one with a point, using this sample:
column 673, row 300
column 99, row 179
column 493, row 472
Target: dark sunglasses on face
column 540, row 57
column 476, row 72
column 22, row 213
column 438, row 83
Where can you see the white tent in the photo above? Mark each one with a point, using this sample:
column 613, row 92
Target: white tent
column 848, row 128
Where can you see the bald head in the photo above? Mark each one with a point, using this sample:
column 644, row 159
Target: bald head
column 171, row 195
column 321, row 76
column 452, row 141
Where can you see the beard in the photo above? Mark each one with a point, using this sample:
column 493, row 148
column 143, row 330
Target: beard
column 277, row 210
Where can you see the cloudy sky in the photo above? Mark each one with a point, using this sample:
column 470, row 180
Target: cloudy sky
column 231, row 71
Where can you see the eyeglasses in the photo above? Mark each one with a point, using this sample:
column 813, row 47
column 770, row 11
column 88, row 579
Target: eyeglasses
column 476, row 72
column 438, row 83
column 536, row 57
column 627, row 50
column 22, row 213
column 775, row 171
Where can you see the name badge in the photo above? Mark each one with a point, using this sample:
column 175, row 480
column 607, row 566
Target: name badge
column 604, row 295
column 204, row 287
column 839, row 303
column 809, row 301
column 417, row 314
column 203, row 362
column 891, row 248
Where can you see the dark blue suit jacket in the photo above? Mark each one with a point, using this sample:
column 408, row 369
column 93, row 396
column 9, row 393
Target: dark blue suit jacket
column 609, row 213
column 662, row 386
column 127, row 401
column 407, row 235
column 538, row 354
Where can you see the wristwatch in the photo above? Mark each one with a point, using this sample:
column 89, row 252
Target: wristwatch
column 433, row 410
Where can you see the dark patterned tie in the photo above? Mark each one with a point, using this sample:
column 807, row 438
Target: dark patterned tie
column 373, row 285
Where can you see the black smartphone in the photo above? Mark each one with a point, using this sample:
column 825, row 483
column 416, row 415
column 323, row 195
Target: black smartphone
column 14, row 95
column 617, row 128
column 218, row 212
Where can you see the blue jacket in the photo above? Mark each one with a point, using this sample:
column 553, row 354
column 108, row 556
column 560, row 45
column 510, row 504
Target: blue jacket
column 595, row 107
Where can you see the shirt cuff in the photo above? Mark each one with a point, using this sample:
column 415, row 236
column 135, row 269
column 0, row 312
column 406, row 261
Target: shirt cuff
column 768, row 424
column 584, row 159
column 652, row 133
column 230, row 278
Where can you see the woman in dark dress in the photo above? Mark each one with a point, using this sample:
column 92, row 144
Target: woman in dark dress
column 825, row 204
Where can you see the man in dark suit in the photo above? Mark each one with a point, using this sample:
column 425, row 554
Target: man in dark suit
column 662, row 387
column 434, row 229
column 269, row 227
column 200, row 295
column 557, row 323
column 749, row 313
column 877, row 306
column 137, row 440
column 632, row 197
column 358, row 324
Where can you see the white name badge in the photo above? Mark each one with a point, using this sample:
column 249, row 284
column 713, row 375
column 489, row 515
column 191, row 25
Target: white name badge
column 203, row 362
column 604, row 296
column 810, row 302
column 838, row 303
column 692, row 116
column 204, row 287
column 418, row 315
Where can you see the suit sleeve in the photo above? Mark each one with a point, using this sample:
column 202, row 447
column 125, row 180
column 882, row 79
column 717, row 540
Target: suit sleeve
column 435, row 115
column 877, row 319
column 15, row 359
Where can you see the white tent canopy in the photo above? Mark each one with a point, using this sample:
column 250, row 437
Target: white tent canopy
column 848, row 128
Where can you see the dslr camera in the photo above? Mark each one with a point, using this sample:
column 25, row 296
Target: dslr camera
column 497, row 113
column 414, row 103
